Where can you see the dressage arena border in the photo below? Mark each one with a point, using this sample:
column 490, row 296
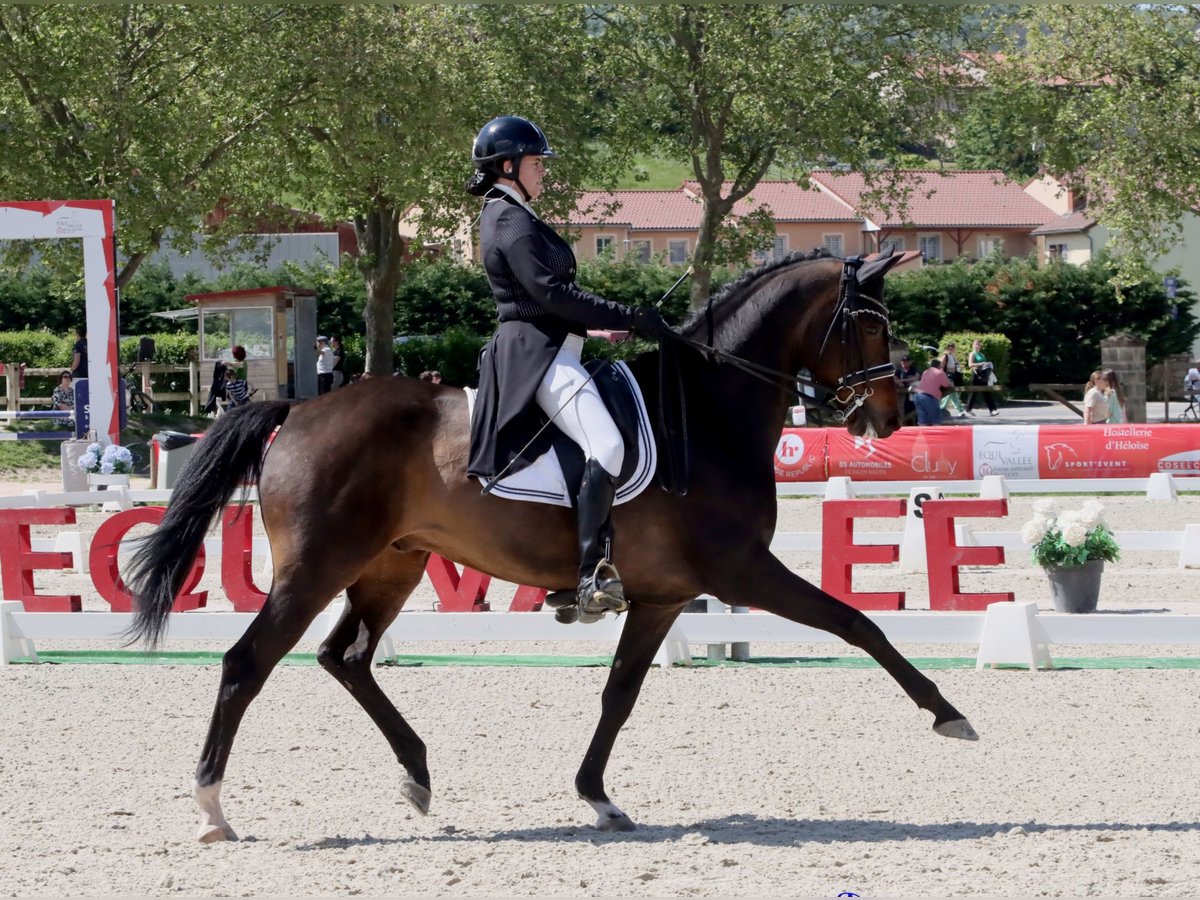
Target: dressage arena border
column 1006, row 633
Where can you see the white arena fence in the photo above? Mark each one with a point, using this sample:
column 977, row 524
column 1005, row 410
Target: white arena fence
column 1004, row 633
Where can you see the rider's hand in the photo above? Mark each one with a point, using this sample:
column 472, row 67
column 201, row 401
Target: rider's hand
column 648, row 322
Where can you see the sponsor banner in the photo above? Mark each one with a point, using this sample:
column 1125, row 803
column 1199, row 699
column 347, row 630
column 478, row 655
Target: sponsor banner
column 1118, row 451
column 800, row 454
column 911, row 454
column 1008, row 450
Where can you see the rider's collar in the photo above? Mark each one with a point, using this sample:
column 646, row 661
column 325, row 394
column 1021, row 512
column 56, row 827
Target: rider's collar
column 504, row 188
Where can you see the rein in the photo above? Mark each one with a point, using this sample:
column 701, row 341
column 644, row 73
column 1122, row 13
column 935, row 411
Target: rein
column 850, row 305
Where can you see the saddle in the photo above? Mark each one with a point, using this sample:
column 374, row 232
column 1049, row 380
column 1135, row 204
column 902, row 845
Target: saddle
column 546, row 479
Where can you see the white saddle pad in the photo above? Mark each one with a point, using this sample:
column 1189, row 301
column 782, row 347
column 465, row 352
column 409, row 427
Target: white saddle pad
column 543, row 481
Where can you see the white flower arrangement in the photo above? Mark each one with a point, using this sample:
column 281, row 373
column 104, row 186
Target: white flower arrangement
column 1069, row 537
column 111, row 460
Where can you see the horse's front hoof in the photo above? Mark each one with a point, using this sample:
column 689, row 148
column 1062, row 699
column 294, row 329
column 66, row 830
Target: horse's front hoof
column 214, row 834
column 957, row 728
column 416, row 794
column 615, row 822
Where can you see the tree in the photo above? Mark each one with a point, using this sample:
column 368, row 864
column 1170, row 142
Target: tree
column 387, row 135
column 738, row 89
column 153, row 106
column 1118, row 112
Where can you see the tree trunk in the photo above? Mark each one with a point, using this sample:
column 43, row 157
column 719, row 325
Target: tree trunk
column 382, row 255
column 703, row 258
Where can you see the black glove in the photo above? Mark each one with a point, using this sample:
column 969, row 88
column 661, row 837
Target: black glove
column 648, row 322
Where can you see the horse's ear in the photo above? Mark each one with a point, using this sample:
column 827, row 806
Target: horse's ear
column 878, row 267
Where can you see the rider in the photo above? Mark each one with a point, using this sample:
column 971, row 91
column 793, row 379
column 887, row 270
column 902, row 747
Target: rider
column 531, row 369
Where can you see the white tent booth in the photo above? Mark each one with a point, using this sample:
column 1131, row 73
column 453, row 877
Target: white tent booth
column 277, row 326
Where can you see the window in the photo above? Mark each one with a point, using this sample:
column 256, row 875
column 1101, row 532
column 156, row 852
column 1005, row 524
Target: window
column 677, row 252
column 1056, row 251
column 249, row 326
column 988, row 246
column 833, row 243
column 930, row 246
column 639, row 251
column 779, row 249
column 604, row 245
column 895, row 244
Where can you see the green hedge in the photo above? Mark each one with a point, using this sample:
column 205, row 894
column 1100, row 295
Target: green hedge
column 37, row 349
column 1055, row 315
column 996, row 347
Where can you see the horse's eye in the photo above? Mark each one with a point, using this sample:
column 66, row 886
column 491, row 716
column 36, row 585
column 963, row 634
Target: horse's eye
column 873, row 330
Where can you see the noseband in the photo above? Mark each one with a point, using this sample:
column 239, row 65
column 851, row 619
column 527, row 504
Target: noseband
column 850, row 306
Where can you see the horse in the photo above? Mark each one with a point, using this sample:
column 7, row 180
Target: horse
column 361, row 485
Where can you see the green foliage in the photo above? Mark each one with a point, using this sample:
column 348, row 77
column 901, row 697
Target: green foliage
column 1116, row 110
column 160, row 107
column 997, row 132
column 996, row 347
column 40, row 299
column 849, row 83
column 37, row 349
column 453, row 353
column 1069, row 538
column 1055, row 315
column 437, row 294
column 169, row 349
column 20, row 455
column 637, row 284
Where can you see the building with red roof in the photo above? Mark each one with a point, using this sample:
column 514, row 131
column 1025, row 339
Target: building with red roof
column 948, row 215
column 945, row 215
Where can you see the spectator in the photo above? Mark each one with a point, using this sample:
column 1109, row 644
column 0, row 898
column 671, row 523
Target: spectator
column 237, row 392
column 324, row 365
column 1191, row 381
column 238, row 352
column 907, row 375
column 1115, row 397
column 1095, row 401
column 63, row 396
column 950, row 369
column 433, row 375
column 79, row 360
column 339, row 360
column 982, row 376
column 928, row 393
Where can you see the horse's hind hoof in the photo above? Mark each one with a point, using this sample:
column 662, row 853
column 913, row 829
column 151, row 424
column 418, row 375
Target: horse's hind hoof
column 416, row 794
column 957, row 728
column 214, row 834
column 615, row 822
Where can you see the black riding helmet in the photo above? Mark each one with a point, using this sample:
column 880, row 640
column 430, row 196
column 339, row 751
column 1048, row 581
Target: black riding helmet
column 508, row 138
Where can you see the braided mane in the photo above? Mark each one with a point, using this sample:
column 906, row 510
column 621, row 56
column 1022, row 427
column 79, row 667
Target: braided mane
column 728, row 300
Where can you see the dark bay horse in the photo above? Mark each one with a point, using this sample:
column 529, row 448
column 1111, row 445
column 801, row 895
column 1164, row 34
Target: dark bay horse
column 362, row 484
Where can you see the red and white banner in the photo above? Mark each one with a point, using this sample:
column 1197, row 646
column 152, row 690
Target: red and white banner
column 1118, row 451
column 911, row 454
column 966, row 453
column 800, row 454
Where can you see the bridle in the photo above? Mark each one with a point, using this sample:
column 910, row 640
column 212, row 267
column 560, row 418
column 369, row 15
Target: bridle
column 845, row 397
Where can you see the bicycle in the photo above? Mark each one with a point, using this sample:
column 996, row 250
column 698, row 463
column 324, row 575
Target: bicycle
column 137, row 400
column 1192, row 413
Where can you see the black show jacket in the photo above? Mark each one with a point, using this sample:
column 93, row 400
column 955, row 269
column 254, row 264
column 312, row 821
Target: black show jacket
column 531, row 271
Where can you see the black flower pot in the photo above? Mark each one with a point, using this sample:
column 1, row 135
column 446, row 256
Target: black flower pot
column 1076, row 589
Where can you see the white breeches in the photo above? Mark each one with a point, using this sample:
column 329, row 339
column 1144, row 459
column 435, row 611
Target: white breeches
column 583, row 419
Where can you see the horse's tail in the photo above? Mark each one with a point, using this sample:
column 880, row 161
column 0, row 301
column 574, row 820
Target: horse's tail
column 230, row 454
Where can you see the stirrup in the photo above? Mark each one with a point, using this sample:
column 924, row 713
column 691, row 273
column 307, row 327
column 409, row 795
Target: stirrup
column 602, row 592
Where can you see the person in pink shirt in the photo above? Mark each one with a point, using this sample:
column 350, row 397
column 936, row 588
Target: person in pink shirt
column 928, row 392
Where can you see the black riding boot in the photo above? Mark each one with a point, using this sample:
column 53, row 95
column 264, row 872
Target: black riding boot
column 600, row 589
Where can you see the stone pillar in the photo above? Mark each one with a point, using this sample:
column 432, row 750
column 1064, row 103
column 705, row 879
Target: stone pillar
column 1125, row 354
